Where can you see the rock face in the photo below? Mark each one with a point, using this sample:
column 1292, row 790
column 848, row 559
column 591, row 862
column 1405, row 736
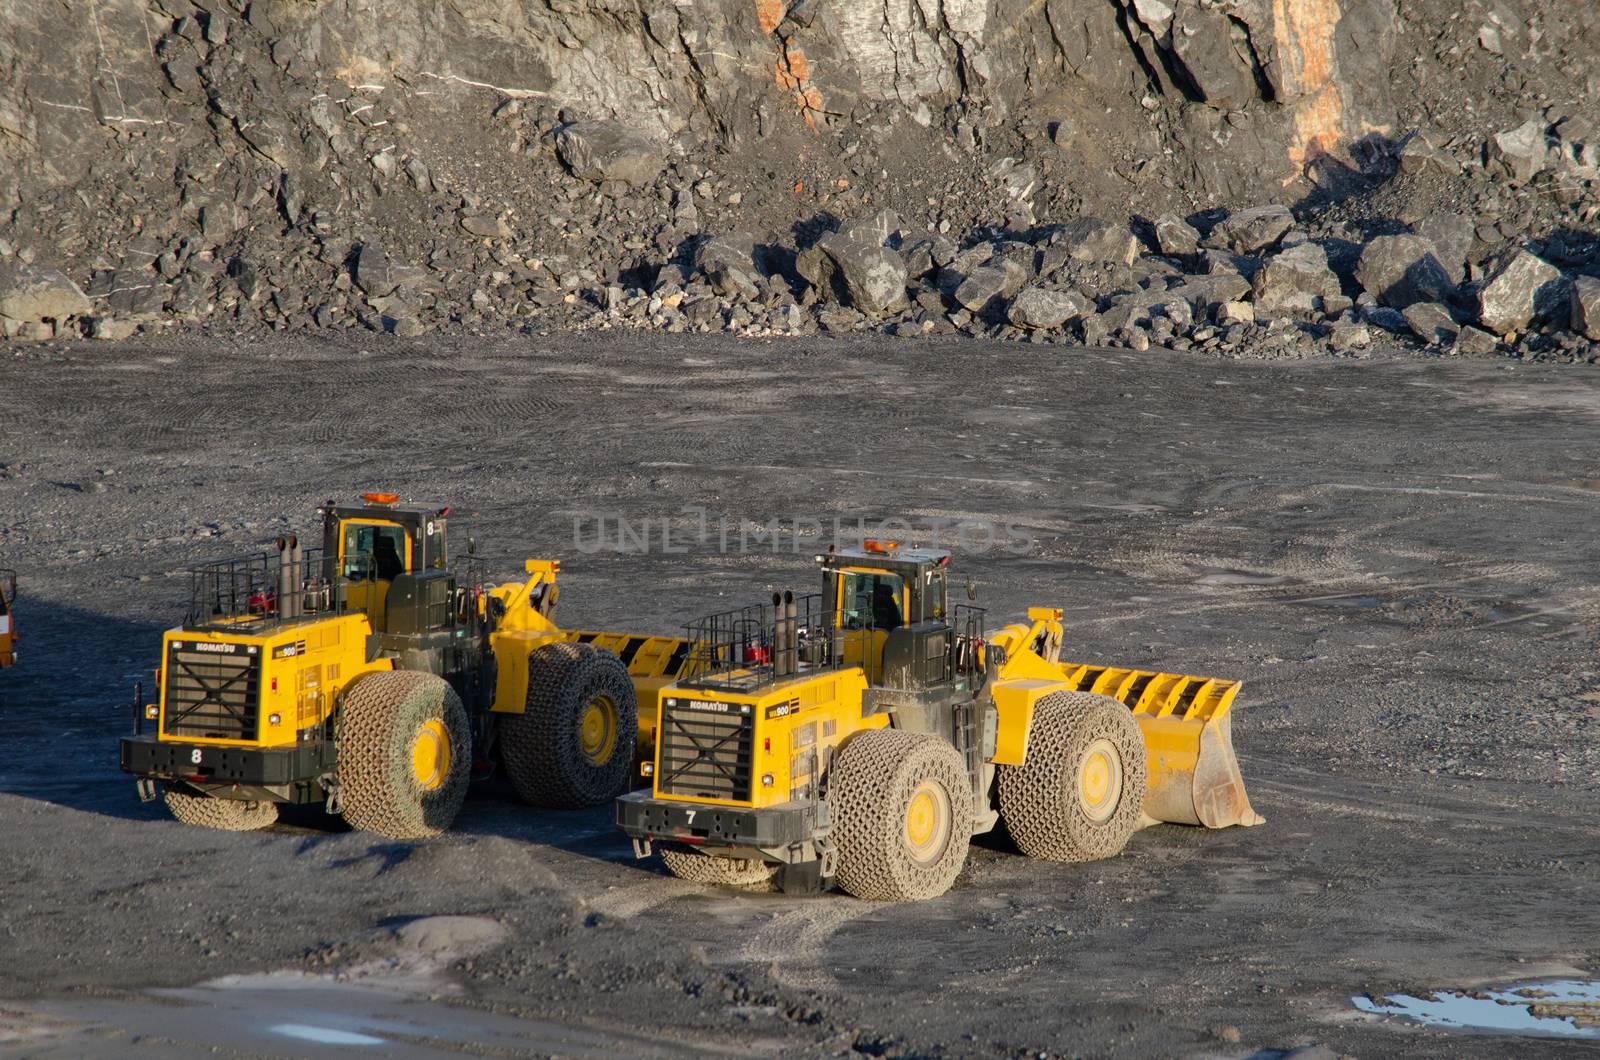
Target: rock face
column 1401, row 269
column 36, row 293
column 608, row 150
column 1520, row 287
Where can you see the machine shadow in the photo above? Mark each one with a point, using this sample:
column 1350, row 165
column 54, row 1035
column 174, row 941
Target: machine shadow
column 72, row 687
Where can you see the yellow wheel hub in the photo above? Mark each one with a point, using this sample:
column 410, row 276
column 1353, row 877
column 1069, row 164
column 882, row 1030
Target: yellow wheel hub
column 927, row 821
column 597, row 730
column 1100, row 780
column 430, row 754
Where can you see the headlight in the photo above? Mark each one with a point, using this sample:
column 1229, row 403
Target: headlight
column 274, row 719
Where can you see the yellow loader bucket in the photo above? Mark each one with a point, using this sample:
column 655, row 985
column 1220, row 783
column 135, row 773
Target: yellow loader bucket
column 1188, row 739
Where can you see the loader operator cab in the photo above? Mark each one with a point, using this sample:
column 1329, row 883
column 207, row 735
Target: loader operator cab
column 892, row 606
column 389, row 558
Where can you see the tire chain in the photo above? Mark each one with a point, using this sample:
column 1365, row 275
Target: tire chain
column 229, row 815
column 541, row 747
column 378, row 720
column 869, row 789
column 1038, row 799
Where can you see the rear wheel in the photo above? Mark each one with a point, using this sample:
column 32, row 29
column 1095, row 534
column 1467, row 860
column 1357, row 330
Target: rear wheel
column 573, row 745
column 698, row 867
column 405, row 754
column 1079, row 794
column 902, row 808
column 230, row 815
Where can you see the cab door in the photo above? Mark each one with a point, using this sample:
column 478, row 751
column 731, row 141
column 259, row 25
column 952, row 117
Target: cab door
column 372, row 552
column 867, row 605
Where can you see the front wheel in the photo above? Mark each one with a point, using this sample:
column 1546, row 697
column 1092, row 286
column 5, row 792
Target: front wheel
column 405, row 754
column 1079, row 793
column 698, row 867
column 902, row 806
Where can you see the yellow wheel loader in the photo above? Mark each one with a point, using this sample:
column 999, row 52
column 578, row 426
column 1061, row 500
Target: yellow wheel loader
column 8, row 620
column 369, row 676
column 862, row 736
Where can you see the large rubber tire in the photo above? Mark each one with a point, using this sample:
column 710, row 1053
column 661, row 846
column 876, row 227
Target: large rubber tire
column 902, row 815
column 697, row 867
column 1060, row 804
column 552, row 759
column 388, row 722
column 230, row 815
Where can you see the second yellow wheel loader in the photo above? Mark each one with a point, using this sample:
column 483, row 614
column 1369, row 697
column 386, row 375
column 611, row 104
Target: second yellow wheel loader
column 863, row 736
column 367, row 675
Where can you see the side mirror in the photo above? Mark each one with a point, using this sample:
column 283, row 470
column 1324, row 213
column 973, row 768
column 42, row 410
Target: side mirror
column 972, row 589
column 472, row 546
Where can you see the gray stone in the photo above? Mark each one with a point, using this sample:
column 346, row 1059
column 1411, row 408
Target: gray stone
column 1235, row 313
column 1039, row 307
column 870, row 278
column 1176, row 237
column 1385, row 317
column 1520, row 287
column 1431, row 322
column 1155, row 14
column 38, row 292
column 1451, row 235
column 728, row 262
column 882, row 228
column 608, row 150
column 1345, row 336
column 1252, row 230
column 1520, row 153
column 1418, row 156
column 1203, row 292
column 1586, row 307
column 486, row 225
column 980, row 287
column 1401, row 269
column 1295, row 281
column 111, row 329
column 1095, row 239
column 373, row 273
column 1471, row 340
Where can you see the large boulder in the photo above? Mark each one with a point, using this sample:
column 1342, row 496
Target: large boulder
column 1402, row 269
column 36, row 293
column 986, row 283
column 1295, row 281
column 729, row 262
column 1431, row 322
column 1451, row 235
column 1252, row 230
column 373, row 273
column 1175, row 237
column 866, row 276
column 1040, row 307
column 1521, row 287
column 1095, row 239
column 610, row 151
column 1521, row 152
column 1586, row 307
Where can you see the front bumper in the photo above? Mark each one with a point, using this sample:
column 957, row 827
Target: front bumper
column 642, row 816
column 147, row 756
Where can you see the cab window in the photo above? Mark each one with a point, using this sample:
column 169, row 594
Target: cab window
column 870, row 601
column 434, row 553
column 374, row 552
column 933, row 596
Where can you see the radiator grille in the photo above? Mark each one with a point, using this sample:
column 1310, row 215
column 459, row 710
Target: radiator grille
column 212, row 693
column 707, row 750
